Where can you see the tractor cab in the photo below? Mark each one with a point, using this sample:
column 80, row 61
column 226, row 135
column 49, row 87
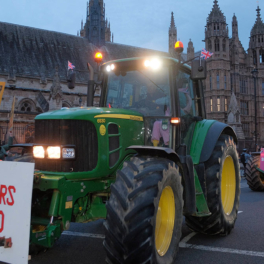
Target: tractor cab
column 162, row 91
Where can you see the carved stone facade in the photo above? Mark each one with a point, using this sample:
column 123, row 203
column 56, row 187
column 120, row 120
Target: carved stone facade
column 229, row 72
column 97, row 27
column 34, row 67
column 233, row 117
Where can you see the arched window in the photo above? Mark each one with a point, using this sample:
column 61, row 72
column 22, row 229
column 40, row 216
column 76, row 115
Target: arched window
column 95, row 19
column 254, row 57
column 66, row 104
column 209, row 44
column 216, row 44
column 94, row 32
column 224, row 45
column 26, row 107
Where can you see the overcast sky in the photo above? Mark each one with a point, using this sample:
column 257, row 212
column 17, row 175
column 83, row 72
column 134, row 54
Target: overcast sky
column 142, row 23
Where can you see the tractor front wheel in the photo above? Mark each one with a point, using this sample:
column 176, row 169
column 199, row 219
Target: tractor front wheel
column 223, row 190
column 255, row 179
column 144, row 213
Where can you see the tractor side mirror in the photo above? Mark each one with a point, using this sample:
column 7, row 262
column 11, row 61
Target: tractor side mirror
column 199, row 71
column 71, row 80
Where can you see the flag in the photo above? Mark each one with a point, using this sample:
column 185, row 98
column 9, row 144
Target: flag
column 70, row 66
column 11, row 120
column 2, row 88
column 206, row 54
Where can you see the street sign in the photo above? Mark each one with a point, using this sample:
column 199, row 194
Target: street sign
column 16, row 180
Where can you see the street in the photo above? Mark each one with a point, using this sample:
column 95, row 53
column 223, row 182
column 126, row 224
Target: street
column 82, row 243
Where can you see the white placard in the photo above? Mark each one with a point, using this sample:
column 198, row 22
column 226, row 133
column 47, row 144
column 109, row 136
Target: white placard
column 16, row 180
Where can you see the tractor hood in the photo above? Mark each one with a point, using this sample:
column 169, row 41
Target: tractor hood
column 86, row 113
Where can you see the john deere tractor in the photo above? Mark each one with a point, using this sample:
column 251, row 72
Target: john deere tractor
column 253, row 173
column 141, row 160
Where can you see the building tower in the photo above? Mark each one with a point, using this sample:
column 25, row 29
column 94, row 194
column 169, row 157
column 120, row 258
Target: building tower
column 190, row 51
column 218, row 66
column 96, row 28
column 256, row 60
column 256, row 43
column 172, row 36
column 107, row 31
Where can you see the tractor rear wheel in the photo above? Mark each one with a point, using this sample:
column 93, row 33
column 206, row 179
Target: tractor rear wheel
column 223, row 190
column 253, row 176
column 144, row 213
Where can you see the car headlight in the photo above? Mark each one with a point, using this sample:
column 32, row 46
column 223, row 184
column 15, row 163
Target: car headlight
column 38, row 152
column 68, row 153
column 54, row 152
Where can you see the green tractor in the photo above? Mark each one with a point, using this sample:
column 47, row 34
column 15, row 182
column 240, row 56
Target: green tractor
column 141, row 160
column 254, row 173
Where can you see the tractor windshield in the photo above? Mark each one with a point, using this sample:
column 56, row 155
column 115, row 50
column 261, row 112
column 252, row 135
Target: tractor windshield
column 144, row 90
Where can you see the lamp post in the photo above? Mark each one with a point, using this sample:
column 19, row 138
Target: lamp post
column 255, row 76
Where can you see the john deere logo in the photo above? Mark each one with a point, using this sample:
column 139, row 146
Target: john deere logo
column 102, row 130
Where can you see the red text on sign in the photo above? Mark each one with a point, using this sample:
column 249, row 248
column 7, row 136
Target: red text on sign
column 2, row 220
column 6, row 194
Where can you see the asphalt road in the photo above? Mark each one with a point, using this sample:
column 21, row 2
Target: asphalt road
column 82, row 243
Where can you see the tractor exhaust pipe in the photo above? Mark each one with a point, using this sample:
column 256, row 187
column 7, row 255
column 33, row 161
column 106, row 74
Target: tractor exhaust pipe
column 90, row 88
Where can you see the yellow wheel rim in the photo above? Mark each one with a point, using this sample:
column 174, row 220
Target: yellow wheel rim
column 165, row 221
column 228, row 185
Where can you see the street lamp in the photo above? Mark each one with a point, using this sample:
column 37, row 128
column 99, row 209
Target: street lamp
column 255, row 76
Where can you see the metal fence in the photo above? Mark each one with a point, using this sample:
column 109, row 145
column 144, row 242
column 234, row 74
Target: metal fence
column 22, row 133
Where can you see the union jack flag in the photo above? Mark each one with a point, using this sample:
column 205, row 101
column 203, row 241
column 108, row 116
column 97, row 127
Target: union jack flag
column 70, row 66
column 206, row 54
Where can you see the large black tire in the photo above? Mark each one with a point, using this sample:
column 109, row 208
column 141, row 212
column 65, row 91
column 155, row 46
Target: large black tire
column 253, row 176
column 222, row 173
column 136, row 217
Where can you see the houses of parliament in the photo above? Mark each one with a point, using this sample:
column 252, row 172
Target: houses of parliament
column 34, row 67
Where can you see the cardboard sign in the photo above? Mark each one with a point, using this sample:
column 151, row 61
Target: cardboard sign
column 16, row 180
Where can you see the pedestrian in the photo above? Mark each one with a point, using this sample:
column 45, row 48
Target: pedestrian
column 244, row 157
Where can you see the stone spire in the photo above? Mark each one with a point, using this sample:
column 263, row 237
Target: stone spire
column 107, row 31
column 56, row 95
column 234, row 27
column 94, row 28
column 233, row 117
column 172, row 23
column 190, row 50
column 172, row 35
column 216, row 14
column 258, row 27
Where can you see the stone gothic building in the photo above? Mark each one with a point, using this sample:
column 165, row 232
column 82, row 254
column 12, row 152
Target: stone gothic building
column 230, row 73
column 33, row 64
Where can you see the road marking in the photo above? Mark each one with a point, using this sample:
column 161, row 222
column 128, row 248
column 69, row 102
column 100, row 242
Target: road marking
column 183, row 244
column 223, row 250
column 69, row 233
column 239, row 212
column 187, row 238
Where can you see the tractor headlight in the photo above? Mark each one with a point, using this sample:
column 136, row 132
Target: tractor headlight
column 154, row 64
column 54, row 152
column 68, row 153
column 38, row 152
